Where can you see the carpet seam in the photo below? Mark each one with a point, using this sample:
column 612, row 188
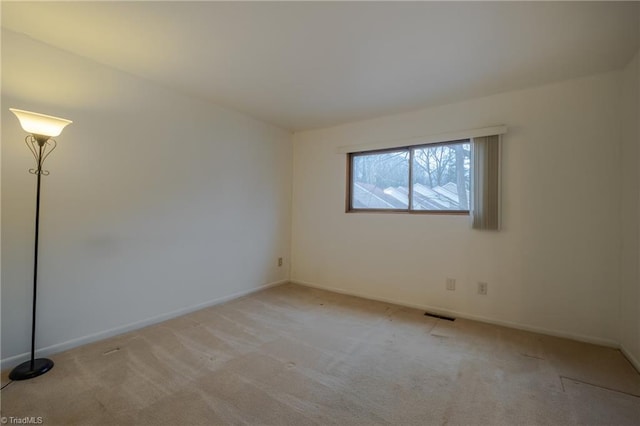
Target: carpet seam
column 597, row 386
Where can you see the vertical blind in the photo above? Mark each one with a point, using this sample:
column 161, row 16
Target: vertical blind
column 486, row 183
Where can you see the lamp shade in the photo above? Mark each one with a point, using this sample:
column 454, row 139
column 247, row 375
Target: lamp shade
column 40, row 124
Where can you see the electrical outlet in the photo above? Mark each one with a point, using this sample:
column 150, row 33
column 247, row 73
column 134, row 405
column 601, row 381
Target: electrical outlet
column 483, row 288
column 279, row 261
column 451, row 284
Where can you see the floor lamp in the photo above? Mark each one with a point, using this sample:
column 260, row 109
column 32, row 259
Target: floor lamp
column 41, row 129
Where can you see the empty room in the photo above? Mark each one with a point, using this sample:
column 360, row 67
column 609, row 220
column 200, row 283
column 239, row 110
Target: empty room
column 320, row 213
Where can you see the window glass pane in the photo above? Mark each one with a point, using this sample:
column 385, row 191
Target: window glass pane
column 380, row 181
column 441, row 178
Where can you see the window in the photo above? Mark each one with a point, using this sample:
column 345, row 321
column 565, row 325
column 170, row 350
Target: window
column 425, row 178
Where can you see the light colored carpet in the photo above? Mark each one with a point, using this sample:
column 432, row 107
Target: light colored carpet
column 292, row 355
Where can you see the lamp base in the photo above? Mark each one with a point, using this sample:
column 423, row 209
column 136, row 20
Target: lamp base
column 24, row 370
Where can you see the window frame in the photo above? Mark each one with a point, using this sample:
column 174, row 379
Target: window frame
column 410, row 149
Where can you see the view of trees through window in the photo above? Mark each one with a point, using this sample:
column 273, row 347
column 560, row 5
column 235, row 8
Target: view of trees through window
column 439, row 173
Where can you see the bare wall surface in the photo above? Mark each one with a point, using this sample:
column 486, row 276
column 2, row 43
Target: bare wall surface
column 156, row 202
column 630, row 260
column 555, row 265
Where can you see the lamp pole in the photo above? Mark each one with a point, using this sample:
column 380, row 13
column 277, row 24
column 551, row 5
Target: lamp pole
column 35, row 258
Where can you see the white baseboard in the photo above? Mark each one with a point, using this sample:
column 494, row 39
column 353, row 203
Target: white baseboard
column 633, row 360
column 69, row 344
column 457, row 314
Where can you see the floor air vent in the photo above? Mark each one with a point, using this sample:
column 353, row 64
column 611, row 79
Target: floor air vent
column 442, row 317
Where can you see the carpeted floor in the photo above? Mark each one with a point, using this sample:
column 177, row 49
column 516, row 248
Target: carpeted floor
column 298, row 356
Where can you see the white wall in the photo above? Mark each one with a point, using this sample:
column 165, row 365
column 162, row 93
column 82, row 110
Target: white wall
column 156, row 203
column 630, row 260
column 555, row 265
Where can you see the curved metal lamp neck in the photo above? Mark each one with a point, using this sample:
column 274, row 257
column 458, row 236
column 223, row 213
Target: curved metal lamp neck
column 41, row 139
column 40, row 146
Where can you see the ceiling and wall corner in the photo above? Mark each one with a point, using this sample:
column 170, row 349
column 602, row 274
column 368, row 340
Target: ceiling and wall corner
column 304, row 65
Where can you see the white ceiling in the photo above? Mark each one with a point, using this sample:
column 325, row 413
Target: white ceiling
column 303, row 65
